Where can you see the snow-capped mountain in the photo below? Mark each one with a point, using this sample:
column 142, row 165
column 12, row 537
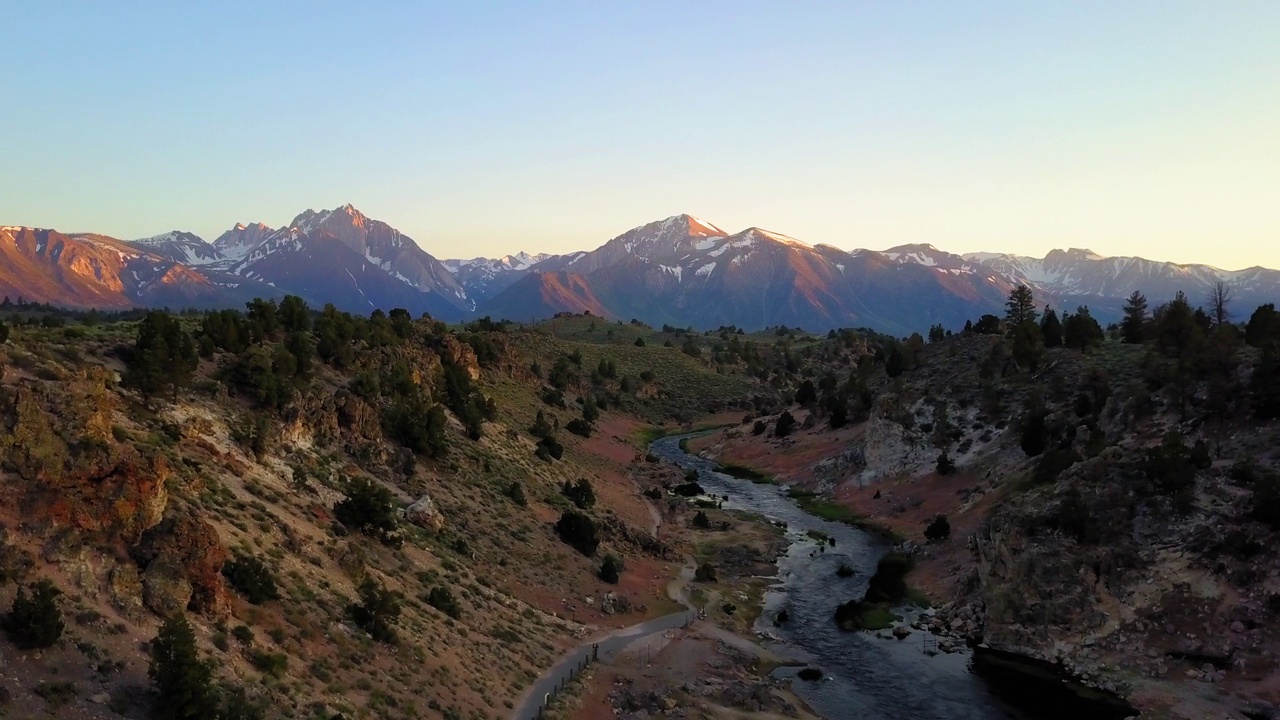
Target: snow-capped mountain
column 90, row 270
column 687, row 271
column 483, row 278
column 180, row 247
column 359, row 264
column 681, row 270
column 237, row 242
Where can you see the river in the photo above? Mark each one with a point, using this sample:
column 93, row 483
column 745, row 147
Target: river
column 866, row 676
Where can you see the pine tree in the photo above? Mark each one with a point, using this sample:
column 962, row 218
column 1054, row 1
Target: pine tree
column 1263, row 327
column 1135, row 319
column 1028, row 345
column 1176, row 329
column 183, row 681
column 1264, row 386
column 1021, row 306
column 1081, row 331
column 164, row 355
column 896, row 362
column 1051, row 328
column 294, row 315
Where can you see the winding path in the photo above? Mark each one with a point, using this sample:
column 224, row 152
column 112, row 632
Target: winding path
column 540, row 693
column 552, row 680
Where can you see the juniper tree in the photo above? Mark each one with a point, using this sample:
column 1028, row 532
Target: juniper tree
column 35, row 620
column 1051, row 328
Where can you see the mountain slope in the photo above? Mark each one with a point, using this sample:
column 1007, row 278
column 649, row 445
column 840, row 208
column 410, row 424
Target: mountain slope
column 685, row 271
column 235, row 243
column 342, row 257
column 543, row 294
column 87, row 270
column 180, row 247
column 482, row 278
column 1080, row 277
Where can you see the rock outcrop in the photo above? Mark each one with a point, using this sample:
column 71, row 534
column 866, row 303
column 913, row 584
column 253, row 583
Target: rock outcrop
column 183, row 553
column 423, row 513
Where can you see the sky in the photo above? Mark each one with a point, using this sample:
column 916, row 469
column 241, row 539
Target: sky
column 484, row 128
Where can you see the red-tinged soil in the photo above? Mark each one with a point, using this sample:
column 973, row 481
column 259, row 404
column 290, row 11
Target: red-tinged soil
column 789, row 460
column 906, row 505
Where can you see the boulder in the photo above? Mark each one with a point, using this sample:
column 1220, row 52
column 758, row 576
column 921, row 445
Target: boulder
column 165, row 588
column 423, row 513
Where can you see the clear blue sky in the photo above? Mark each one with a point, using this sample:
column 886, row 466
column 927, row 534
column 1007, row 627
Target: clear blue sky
column 1148, row 128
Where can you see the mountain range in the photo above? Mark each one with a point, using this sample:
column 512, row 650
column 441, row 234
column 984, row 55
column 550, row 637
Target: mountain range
column 681, row 271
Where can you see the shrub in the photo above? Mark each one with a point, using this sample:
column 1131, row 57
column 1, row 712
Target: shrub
column 946, row 466
column 515, row 491
column 254, row 433
column 785, row 424
column 269, row 663
column 442, row 599
column 580, row 493
column 1054, row 463
column 251, row 578
column 579, row 531
column 688, row 489
column 610, row 569
column 845, row 570
column 370, row 508
column 1266, row 498
column 701, row 520
column 578, row 426
column 1035, row 430
column 1171, row 466
column 758, row 427
column 706, row 572
column 939, row 529
column 889, row 584
column 243, row 633
column 549, row 449
column 35, row 621
column 377, row 611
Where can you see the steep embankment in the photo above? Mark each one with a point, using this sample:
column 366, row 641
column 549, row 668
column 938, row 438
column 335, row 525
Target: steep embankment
column 1092, row 524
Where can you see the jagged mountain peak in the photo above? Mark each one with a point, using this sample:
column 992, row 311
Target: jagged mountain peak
column 171, row 236
column 240, row 240
column 691, row 225
column 181, row 247
column 356, row 261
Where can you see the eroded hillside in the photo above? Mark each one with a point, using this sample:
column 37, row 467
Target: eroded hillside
column 357, row 516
